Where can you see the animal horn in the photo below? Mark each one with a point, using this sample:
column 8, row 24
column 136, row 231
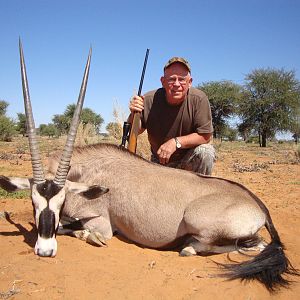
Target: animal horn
column 64, row 164
column 37, row 167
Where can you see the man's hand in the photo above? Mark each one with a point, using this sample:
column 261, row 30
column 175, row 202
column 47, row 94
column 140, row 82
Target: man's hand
column 136, row 104
column 166, row 150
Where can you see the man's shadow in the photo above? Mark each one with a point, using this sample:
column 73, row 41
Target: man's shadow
column 29, row 236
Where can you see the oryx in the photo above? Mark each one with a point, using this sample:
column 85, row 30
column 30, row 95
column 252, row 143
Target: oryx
column 48, row 196
column 151, row 205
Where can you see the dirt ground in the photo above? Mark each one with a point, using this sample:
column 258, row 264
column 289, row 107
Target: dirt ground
column 126, row 271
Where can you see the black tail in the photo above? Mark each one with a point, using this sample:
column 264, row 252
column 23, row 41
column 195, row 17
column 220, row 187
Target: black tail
column 267, row 267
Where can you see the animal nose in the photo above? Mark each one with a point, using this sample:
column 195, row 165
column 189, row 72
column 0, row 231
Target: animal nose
column 48, row 253
column 46, row 247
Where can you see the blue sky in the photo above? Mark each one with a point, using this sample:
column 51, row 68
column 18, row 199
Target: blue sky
column 221, row 40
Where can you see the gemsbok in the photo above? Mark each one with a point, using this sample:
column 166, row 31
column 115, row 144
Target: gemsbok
column 108, row 189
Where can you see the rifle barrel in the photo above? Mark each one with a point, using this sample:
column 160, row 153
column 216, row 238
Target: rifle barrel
column 132, row 143
column 143, row 73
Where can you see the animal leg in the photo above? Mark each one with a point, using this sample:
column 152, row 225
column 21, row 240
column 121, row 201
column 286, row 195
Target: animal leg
column 260, row 246
column 94, row 238
column 95, row 231
column 200, row 245
column 197, row 245
column 100, row 230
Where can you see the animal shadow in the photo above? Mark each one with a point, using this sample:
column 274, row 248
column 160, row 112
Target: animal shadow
column 29, row 235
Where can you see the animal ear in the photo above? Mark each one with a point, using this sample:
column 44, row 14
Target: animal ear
column 87, row 191
column 94, row 191
column 13, row 184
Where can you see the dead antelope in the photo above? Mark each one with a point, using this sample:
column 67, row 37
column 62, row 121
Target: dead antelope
column 151, row 205
column 48, row 196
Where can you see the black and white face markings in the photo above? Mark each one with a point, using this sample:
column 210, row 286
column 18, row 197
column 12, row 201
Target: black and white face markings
column 47, row 199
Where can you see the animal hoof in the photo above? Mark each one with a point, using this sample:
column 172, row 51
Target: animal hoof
column 188, row 251
column 81, row 234
column 185, row 253
column 96, row 239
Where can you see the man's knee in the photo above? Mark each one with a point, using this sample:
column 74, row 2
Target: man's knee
column 200, row 159
column 206, row 152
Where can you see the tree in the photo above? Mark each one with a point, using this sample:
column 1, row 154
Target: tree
column 3, row 107
column 7, row 126
column 42, row 129
column 269, row 102
column 229, row 133
column 88, row 116
column 232, row 134
column 52, row 130
column 7, row 129
column 245, row 130
column 21, row 124
column 62, row 123
column 223, row 97
column 296, row 126
column 49, row 130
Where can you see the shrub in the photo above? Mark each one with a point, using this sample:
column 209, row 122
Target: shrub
column 7, row 129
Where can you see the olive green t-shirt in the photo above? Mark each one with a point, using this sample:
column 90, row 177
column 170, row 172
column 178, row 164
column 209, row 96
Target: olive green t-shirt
column 164, row 121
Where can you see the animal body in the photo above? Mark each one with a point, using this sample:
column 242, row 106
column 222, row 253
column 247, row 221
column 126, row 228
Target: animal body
column 159, row 207
column 154, row 205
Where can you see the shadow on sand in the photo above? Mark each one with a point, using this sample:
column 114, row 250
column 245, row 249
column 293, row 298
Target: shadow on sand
column 29, row 236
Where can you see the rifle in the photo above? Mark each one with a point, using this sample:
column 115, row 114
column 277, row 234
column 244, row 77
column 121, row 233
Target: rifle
column 132, row 143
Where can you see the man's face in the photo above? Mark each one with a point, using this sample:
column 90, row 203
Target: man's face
column 176, row 81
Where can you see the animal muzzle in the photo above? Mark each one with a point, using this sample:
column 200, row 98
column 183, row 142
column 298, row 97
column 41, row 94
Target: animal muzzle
column 46, row 247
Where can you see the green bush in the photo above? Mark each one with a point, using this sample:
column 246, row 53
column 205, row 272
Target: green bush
column 7, row 129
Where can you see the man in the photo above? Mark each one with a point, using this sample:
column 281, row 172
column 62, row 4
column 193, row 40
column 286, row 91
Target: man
column 178, row 120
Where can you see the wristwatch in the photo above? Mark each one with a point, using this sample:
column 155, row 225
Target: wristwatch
column 178, row 145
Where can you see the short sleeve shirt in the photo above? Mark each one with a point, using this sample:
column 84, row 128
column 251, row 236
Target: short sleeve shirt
column 164, row 121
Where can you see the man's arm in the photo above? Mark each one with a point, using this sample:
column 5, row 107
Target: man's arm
column 187, row 141
column 194, row 139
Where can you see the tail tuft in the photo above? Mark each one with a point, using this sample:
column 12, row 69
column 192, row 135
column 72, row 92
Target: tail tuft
column 267, row 267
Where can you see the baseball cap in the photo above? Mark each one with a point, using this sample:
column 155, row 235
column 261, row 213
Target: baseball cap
column 178, row 59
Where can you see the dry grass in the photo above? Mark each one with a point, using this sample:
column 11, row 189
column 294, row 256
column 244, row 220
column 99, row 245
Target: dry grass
column 252, row 167
column 86, row 135
column 11, row 292
column 275, row 153
column 16, row 153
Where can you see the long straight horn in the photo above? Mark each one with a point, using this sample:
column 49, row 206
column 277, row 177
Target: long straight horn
column 63, row 168
column 37, row 167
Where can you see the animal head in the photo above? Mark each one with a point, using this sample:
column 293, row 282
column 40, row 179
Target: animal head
column 47, row 201
column 48, row 196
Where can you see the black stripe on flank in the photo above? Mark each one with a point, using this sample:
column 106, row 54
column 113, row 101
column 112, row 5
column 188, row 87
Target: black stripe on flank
column 46, row 223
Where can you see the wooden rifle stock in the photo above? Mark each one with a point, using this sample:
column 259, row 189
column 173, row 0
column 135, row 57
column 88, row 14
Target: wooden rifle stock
column 135, row 126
